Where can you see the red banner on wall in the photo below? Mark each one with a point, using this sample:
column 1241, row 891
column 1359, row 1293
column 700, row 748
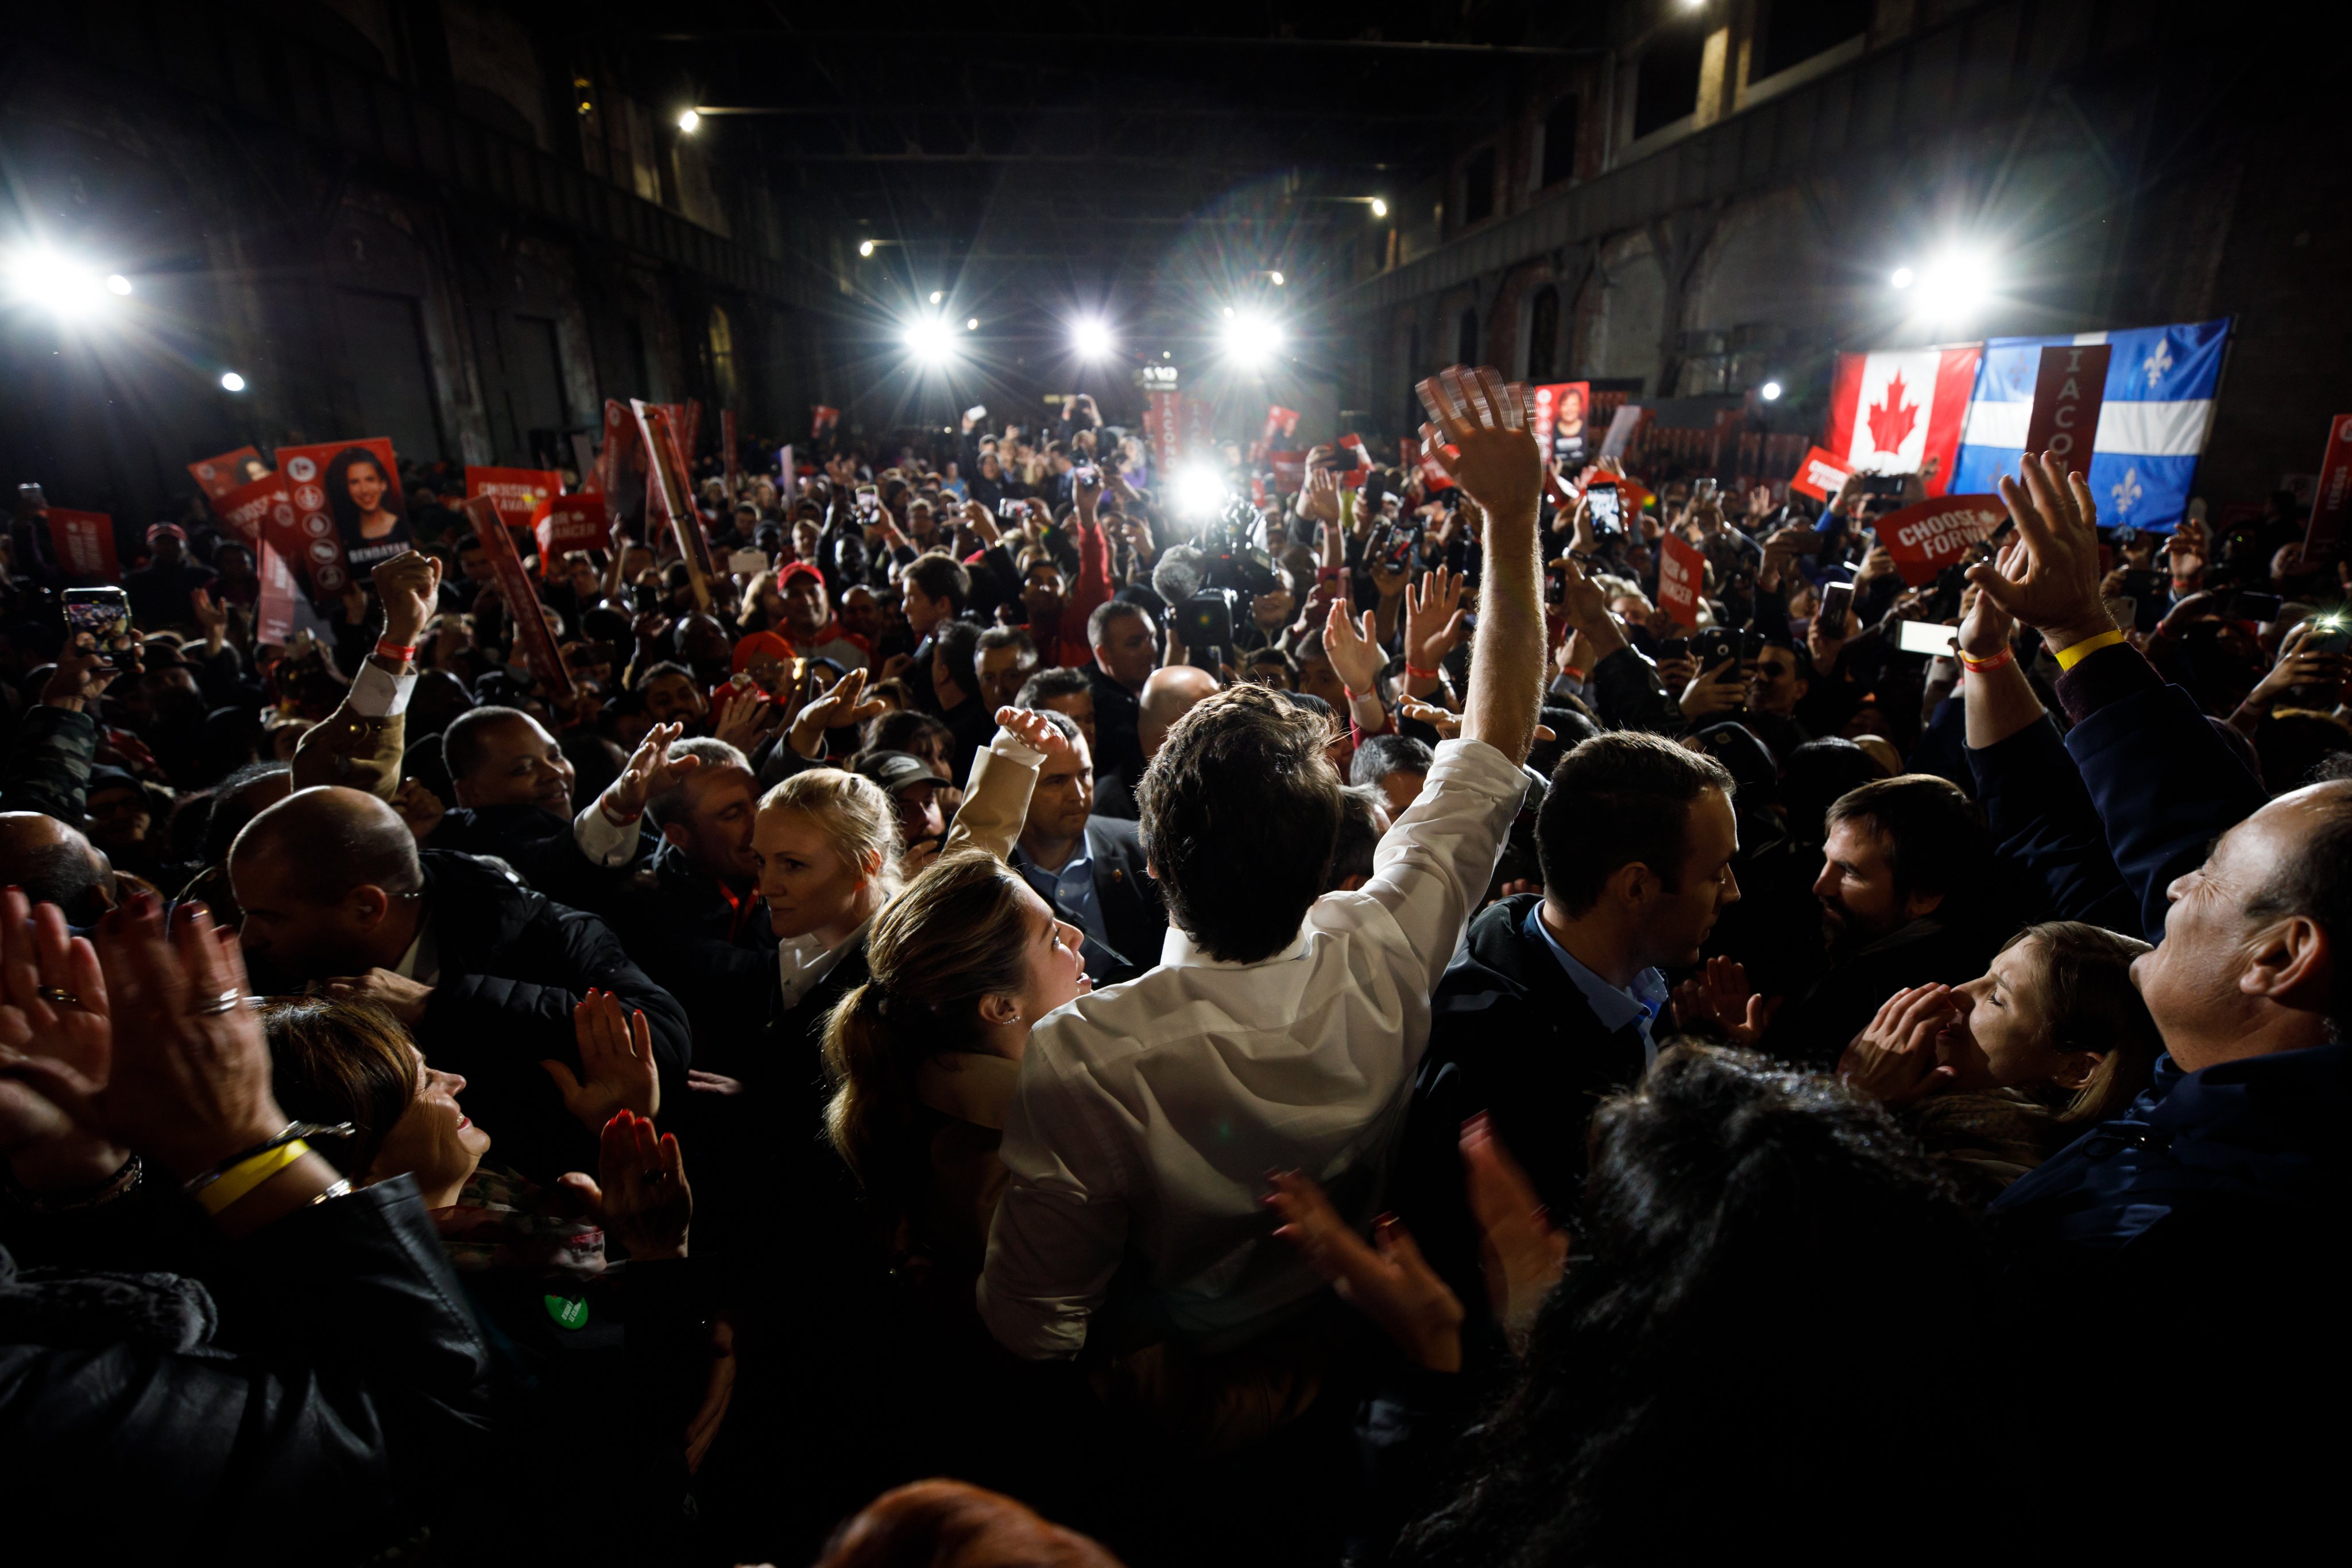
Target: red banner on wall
column 1925, row 538
column 522, row 599
column 1163, row 431
column 1681, row 572
column 248, row 509
column 1820, row 476
column 2071, row 384
column 217, row 477
column 84, row 542
column 2332, row 501
column 569, row 523
column 516, row 493
column 349, row 508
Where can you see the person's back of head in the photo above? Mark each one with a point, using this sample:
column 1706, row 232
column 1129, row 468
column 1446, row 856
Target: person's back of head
column 941, row 576
column 711, row 754
column 1813, row 776
column 1240, row 813
column 1395, row 765
column 1046, row 684
column 55, row 864
column 1168, row 696
column 1735, row 1209
column 1933, row 836
column 950, row 1524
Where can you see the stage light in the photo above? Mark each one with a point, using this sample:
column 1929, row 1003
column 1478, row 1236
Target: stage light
column 232, row 381
column 1771, row 391
column 1952, row 285
column 930, row 340
column 1904, row 278
column 1199, row 491
column 937, row 295
column 865, row 247
column 1250, row 340
column 971, row 324
column 1379, row 208
column 1229, row 312
column 689, row 121
column 65, row 287
column 1090, row 338
column 1277, row 279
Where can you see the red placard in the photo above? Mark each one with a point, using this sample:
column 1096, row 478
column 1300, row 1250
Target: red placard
column 1353, row 445
column 727, row 459
column 668, row 499
column 822, row 421
column 522, row 599
column 516, row 493
column 2067, row 392
column 569, row 523
column 1163, row 432
column 1289, row 471
column 1281, row 424
column 1820, row 476
column 1925, row 538
column 217, row 477
column 273, row 611
column 1433, row 477
column 2333, row 498
column 349, row 508
column 1558, row 411
column 1681, row 572
column 620, row 438
column 249, row 509
column 85, row 543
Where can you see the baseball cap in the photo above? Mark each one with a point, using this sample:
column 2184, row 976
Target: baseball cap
column 896, row 770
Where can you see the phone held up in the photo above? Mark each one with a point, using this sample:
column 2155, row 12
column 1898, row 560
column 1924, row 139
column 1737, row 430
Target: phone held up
column 104, row 614
column 1837, row 608
column 1605, row 510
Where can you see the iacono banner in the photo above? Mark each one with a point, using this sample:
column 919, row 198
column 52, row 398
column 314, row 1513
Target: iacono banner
column 1925, row 538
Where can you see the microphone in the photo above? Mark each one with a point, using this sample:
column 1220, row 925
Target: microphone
column 1179, row 573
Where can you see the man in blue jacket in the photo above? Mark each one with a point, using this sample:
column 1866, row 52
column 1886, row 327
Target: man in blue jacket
column 2200, row 1233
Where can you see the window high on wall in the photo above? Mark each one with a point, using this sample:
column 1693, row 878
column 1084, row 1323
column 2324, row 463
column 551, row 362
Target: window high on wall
column 1666, row 83
column 1559, row 140
column 1479, row 187
column 1790, row 32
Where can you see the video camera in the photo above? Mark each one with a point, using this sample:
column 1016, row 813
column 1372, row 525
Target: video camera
column 1208, row 586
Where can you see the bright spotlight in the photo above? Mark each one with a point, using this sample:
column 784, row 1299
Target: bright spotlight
column 1199, row 491
column 689, row 121
column 971, row 324
column 1229, row 312
column 930, row 340
column 865, row 247
column 65, row 287
column 1903, row 277
column 1276, row 277
column 1091, row 339
column 1379, row 208
column 232, row 381
column 936, row 296
column 1250, row 340
column 1771, row 391
column 1952, row 285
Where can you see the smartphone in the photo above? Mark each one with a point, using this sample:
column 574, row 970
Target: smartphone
column 1883, row 485
column 1009, row 510
column 2125, row 610
column 1401, row 543
column 2328, row 634
column 1930, row 637
column 976, row 412
column 1714, row 645
column 1086, row 474
column 748, row 562
column 103, row 612
column 1674, row 648
column 2254, row 607
column 1607, row 512
column 1702, row 491
column 1837, row 608
column 869, row 500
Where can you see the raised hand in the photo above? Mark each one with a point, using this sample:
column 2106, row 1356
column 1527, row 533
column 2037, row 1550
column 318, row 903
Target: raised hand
column 410, row 586
column 1319, row 499
column 55, row 1008
column 209, row 614
column 1479, row 436
column 1710, row 694
column 1445, row 721
column 419, row 806
column 82, row 675
column 617, row 1062
column 1433, row 617
column 403, row 998
column 1394, row 1286
column 744, row 718
column 1893, row 1060
column 1985, row 626
column 2051, row 581
column 982, row 521
column 649, row 772
column 1718, row 1000
column 843, row 703
column 640, row 1194
column 1354, row 650
column 1035, row 731
column 1520, row 1252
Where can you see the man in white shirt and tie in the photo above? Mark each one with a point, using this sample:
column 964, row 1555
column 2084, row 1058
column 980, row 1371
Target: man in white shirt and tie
column 1281, row 1029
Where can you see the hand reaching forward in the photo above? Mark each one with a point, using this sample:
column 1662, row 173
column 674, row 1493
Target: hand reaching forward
column 617, row 1062
column 1479, row 436
column 1035, row 731
column 640, row 1195
column 1717, row 1000
column 2051, row 581
column 649, row 772
column 1433, row 617
column 1394, row 1286
column 843, row 703
column 1354, row 650
column 409, row 584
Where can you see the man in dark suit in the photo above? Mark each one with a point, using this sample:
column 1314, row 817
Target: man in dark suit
column 1126, row 649
column 1553, row 1006
column 1090, row 869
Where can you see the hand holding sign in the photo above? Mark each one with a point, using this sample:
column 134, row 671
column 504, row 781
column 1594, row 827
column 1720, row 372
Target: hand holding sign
column 2051, row 580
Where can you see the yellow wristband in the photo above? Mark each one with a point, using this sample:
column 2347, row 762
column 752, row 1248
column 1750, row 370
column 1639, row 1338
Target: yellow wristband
column 239, row 1179
column 2071, row 656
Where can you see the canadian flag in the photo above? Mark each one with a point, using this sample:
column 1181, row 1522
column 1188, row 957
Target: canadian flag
column 1902, row 413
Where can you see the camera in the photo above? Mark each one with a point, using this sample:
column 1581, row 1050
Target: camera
column 1234, row 569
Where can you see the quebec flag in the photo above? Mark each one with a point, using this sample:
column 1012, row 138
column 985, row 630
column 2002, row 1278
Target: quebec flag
column 2152, row 426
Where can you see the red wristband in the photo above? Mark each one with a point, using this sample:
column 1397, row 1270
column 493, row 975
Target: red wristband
column 388, row 649
column 1986, row 667
column 1415, row 673
column 617, row 819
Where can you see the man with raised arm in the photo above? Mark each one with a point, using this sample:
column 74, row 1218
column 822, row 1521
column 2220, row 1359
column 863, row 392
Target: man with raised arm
column 1283, row 1025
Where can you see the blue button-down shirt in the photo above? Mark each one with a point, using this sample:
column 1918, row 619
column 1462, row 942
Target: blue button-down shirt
column 1614, row 1006
column 1071, row 890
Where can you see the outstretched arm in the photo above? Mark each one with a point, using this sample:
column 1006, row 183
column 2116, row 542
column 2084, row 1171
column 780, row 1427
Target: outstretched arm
column 1479, row 436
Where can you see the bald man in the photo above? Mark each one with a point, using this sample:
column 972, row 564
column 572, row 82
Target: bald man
column 483, row 971
column 56, row 864
column 1168, row 696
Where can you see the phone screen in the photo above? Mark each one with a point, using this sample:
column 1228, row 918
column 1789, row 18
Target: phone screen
column 1608, row 516
column 1837, row 601
column 1930, row 637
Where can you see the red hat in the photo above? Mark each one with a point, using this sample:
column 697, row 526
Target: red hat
column 798, row 569
column 757, row 644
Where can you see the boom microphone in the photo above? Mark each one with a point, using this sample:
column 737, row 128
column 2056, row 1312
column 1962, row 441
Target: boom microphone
column 1179, row 573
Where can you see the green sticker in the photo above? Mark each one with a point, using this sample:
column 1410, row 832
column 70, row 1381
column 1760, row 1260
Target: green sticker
column 569, row 1312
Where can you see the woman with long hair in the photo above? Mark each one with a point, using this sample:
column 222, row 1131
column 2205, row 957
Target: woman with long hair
column 363, row 494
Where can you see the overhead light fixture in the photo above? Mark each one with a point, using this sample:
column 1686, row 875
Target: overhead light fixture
column 689, row 121
column 1090, row 338
column 865, row 247
column 232, row 381
column 931, row 339
column 1771, row 391
column 1904, row 278
column 1379, row 208
column 115, row 284
column 1276, row 277
column 64, row 286
column 971, row 324
column 1252, row 339
column 936, row 296
column 1952, row 285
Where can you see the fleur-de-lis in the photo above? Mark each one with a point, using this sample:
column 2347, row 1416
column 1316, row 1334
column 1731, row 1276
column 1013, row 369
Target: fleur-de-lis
column 2127, row 492
column 2157, row 362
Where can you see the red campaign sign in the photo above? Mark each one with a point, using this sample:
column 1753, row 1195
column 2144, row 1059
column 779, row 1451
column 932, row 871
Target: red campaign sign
column 1433, row 477
column 1289, row 471
column 516, row 493
column 569, row 523
column 348, row 507
column 84, row 543
column 1925, row 538
column 250, row 509
column 522, row 599
column 217, row 477
column 822, row 421
column 1681, row 571
column 1353, row 478
column 668, row 498
column 1820, row 476
column 620, row 436
column 273, row 612
column 727, row 458
column 1558, row 411
column 1281, row 424
column 2068, row 392
column 2332, row 499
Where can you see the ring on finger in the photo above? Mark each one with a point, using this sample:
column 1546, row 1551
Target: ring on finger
column 59, row 996
column 226, row 1001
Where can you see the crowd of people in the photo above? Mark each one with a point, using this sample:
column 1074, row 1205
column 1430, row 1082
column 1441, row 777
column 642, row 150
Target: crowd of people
column 1335, row 1030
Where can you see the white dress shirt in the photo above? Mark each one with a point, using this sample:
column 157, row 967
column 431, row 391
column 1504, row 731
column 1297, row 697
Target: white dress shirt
column 1147, row 1115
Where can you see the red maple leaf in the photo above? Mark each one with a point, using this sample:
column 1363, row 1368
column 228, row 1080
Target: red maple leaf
column 1891, row 420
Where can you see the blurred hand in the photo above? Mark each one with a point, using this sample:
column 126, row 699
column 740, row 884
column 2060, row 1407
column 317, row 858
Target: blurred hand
column 2296, row 667
column 640, row 1194
column 1394, row 1286
column 745, row 716
column 403, row 999
column 617, row 1062
column 1521, row 1254
column 208, row 613
column 1985, row 626
column 1709, row 694
column 419, row 808
column 1893, row 1060
column 40, row 963
column 1479, row 437
column 842, row 703
column 2051, row 581
column 82, row 675
column 1718, row 1001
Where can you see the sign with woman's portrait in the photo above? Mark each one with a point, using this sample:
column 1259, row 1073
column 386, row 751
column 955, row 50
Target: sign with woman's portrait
column 351, row 511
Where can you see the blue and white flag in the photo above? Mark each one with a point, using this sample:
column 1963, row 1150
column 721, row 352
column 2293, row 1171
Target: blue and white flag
column 2152, row 427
